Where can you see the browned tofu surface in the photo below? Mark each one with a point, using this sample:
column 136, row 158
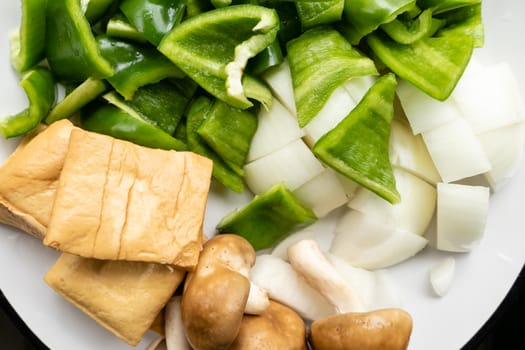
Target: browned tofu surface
column 119, row 201
column 124, row 297
column 29, row 178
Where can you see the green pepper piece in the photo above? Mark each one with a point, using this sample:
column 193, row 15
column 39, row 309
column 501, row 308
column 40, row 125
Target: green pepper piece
column 410, row 31
column 28, row 43
column 96, row 9
column 362, row 17
column 440, row 6
column 118, row 26
column 268, row 218
column 229, row 132
column 160, row 103
column 270, row 57
column 433, row 64
column 39, row 86
column 153, row 18
column 321, row 59
column 214, row 47
column 197, row 113
column 316, row 12
column 358, row 146
column 71, row 49
column 111, row 120
column 464, row 21
column 195, row 7
column 135, row 65
column 79, row 97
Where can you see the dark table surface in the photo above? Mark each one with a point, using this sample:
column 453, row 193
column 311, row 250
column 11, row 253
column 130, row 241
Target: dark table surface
column 504, row 330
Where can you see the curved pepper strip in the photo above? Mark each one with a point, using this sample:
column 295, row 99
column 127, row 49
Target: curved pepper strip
column 96, row 9
column 214, row 47
column 362, row 17
column 71, row 49
column 39, row 86
column 111, row 120
column 433, row 64
column 440, row 6
column 197, row 113
column 316, row 12
column 358, row 146
column 410, row 31
column 118, row 26
column 135, row 65
column 464, row 21
column 153, row 18
column 321, row 59
column 28, row 43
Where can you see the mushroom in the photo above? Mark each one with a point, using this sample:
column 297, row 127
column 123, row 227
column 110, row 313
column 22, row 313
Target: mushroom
column 385, row 329
column 159, row 343
column 216, row 293
column 279, row 327
column 309, row 261
column 173, row 328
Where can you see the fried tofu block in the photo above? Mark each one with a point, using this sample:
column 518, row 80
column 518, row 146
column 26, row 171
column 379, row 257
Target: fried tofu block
column 120, row 201
column 124, row 297
column 29, row 179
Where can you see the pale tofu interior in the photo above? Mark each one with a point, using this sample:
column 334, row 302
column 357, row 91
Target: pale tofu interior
column 119, row 201
column 124, row 297
column 29, row 178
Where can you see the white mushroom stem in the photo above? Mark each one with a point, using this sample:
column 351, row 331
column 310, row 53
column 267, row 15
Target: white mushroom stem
column 309, row 261
column 174, row 329
column 258, row 300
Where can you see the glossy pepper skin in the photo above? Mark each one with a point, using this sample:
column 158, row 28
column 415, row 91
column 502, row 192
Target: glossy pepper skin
column 110, row 120
column 39, row 86
column 71, row 49
column 153, row 18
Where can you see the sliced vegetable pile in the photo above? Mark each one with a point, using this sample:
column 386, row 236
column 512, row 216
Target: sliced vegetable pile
column 376, row 107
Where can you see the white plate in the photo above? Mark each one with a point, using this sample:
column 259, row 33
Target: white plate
column 482, row 279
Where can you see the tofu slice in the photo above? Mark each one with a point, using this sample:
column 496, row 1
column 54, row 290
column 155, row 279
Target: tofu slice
column 119, row 201
column 124, row 297
column 29, row 179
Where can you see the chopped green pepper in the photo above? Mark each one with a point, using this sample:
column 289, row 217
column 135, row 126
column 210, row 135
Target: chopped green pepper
column 316, row 12
column 118, row 26
column 28, row 43
column 268, row 218
column 122, row 123
column 321, row 59
column 358, row 146
column 412, row 30
column 39, row 86
column 135, row 65
column 153, row 18
column 71, row 49
column 229, row 132
column 362, row 17
column 214, row 47
column 76, row 99
column 433, row 64
column 96, row 9
column 197, row 113
column 464, row 21
column 270, row 57
column 439, row 6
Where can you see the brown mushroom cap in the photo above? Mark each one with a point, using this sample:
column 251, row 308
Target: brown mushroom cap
column 386, row 329
column 277, row 328
column 215, row 294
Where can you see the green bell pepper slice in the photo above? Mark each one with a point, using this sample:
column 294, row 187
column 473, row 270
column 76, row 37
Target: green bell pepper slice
column 214, row 47
column 198, row 112
column 71, row 49
column 316, row 12
column 321, row 59
column 466, row 20
column 270, row 57
column 408, row 31
column 135, row 65
column 28, row 43
column 433, row 64
column 96, row 9
column 119, row 27
column 110, row 119
column 358, row 146
column 153, row 18
column 268, row 218
column 362, row 17
column 440, row 6
column 79, row 97
column 161, row 104
column 229, row 132
column 39, row 86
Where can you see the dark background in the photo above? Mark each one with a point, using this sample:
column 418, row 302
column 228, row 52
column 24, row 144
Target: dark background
column 504, row 330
